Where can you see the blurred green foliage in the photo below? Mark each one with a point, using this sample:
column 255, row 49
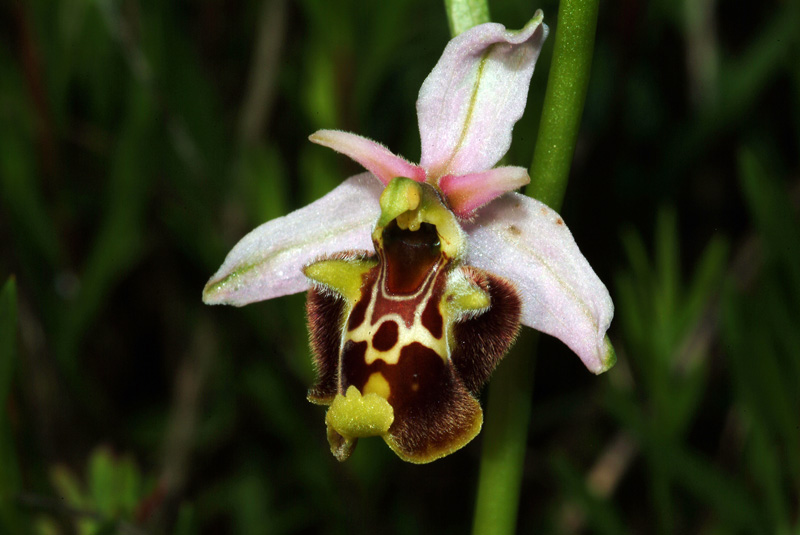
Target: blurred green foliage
column 139, row 140
column 113, row 490
column 9, row 467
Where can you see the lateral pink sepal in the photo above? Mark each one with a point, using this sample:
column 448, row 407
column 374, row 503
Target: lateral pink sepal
column 466, row 193
column 269, row 261
column 375, row 158
column 526, row 242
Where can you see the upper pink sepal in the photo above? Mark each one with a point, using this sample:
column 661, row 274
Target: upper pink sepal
column 268, row 261
column 528, row 243
column 375, row 158
column 466, row 193
column 468, row 104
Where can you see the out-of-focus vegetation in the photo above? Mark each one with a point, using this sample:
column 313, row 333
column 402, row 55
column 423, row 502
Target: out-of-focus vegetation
column 140, row 139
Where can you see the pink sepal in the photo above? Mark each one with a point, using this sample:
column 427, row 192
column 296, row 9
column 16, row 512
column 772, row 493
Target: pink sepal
column 526, row 242
column 269, row 261
column 375, row 158
column 472, row 98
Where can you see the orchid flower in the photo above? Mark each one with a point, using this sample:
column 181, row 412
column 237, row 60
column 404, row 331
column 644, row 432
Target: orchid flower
column 419, row 276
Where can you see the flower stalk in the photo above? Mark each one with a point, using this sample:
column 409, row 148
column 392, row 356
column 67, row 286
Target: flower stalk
column 464, row 14
column 563, row 101
column 508, row 413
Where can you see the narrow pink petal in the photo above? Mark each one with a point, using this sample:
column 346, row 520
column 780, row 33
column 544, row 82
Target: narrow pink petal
column 466, row 193
column 375, row 158
column 469, row 103
column 528, row 243
column 268, row 261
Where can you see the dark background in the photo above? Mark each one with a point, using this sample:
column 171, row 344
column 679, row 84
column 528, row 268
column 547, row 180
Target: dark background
column 140, row 139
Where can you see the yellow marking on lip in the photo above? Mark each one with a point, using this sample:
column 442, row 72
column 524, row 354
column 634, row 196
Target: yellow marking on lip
column 377, row 384
column 406, row 336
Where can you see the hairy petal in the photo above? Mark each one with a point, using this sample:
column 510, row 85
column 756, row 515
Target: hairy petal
column 466, row 193
column 528, row 243
column 469, row 103
column 482, row 339
column 268, row 261
column 375, row 158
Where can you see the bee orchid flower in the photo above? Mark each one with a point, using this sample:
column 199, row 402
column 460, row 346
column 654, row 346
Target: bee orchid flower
column 419, row 276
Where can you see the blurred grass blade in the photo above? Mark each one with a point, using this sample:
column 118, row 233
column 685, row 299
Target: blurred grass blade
column 726, row 495
column 667, row 257
column 773, row 384
column 706, row 279
column 767, row 469
column 601, row 514
column 641, row 271
column 743, row 79
column 9, row 470
column 21, row 197
column 119, row 239
column 21, row 167
column 742, row 82
column 768, row 203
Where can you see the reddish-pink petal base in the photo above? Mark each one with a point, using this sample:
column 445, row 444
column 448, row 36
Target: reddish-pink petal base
column 467, row 193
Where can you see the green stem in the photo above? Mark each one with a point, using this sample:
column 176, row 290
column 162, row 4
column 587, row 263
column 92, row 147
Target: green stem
column 563, row 101
column 505, row 434
column 464, row 14
column 510, row 392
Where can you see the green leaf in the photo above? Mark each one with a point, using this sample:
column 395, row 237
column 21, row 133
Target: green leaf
column 101, row 479
column 67, row 486
column 129, row 485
